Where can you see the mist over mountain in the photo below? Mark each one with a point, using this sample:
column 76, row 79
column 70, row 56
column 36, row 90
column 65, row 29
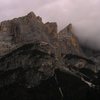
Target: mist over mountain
column 83, row 14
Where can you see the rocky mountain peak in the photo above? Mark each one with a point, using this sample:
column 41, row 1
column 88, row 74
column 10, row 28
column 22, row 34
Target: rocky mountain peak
column 30, row 28
column 31, row 15
column 69, row 28
column 69, row 41
column 31, row 51
column 67, row 31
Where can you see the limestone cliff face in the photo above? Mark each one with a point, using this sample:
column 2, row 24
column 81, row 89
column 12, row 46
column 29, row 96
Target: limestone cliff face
column 69, row 42
column 30, row 28
column 22, row 30
column 31, row 50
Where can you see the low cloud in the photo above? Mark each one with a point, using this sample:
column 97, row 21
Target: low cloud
column 83, row 14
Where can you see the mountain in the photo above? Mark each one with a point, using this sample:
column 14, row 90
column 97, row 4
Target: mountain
column 93, row 55
column 34, row 55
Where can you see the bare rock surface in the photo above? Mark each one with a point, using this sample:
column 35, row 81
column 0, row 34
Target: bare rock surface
column 31, row 51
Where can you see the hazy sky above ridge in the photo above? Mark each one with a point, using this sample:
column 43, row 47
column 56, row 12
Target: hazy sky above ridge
column 83, row 14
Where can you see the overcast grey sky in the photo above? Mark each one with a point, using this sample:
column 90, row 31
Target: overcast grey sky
column 83, row 14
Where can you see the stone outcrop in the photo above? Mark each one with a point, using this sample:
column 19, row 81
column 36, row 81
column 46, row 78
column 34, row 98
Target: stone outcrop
column 27, row 28
column 22, row 30
column 68, row 42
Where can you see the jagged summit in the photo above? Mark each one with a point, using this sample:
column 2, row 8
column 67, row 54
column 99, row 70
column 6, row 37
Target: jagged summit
column 32, row 52
column 31, row 14
column 67, row 32
column 69, row 42
column 30, row 29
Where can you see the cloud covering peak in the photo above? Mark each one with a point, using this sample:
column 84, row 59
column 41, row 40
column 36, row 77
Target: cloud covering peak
column 83, row 14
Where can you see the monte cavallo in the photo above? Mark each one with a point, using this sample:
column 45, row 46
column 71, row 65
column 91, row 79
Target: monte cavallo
column 39, row 63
